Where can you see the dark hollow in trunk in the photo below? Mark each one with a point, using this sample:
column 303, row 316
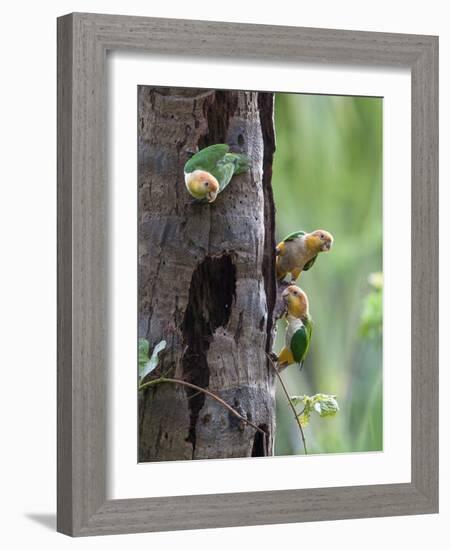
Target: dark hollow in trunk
column 206, row 276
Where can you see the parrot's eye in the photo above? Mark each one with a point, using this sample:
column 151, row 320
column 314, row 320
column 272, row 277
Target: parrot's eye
column 322, row 236
column 206, row 184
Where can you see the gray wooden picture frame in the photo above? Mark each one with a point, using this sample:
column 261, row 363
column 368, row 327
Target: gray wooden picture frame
column 83, row 41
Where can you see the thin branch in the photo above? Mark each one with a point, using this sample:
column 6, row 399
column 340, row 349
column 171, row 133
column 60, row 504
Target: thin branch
column 193, row 395
column 289, row 401
column 206, row 392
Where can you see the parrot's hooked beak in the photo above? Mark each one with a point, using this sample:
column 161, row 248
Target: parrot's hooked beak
column 211, row 196
column 327, row 242
column 285, row 295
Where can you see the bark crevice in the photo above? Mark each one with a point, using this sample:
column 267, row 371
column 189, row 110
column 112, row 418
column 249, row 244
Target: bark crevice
column 259, row 442
column 211, row 294
column 218, row 109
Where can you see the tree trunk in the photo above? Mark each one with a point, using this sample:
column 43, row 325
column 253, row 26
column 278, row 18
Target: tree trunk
column 206, row 276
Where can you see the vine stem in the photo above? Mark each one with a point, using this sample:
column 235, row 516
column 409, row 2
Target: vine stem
column 289, row 401
column 163, row 380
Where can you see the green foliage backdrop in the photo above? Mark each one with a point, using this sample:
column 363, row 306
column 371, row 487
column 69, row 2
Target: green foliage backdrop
column 327, row 174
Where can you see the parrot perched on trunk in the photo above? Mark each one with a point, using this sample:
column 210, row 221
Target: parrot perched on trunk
column 299, row 327
column 299, row 250
column 209, row 171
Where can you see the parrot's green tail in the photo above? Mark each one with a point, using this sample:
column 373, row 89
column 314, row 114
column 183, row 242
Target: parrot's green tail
column 241, row 162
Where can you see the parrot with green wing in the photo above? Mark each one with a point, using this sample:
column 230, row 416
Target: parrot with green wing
column 209, row 171
column 299, row 250
column 299, row 328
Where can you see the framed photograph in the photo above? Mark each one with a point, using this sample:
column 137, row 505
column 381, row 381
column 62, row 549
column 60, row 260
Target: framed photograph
column 247, row 274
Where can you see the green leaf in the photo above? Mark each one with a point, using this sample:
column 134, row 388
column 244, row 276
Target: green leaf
column 304, row 416
column 307, row 403
column 299, row 399
column 146, row 365
column 143, row 353
column 321, row 403
column 325, row 405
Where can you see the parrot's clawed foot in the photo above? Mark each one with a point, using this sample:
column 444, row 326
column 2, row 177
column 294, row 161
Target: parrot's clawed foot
column 273, row 357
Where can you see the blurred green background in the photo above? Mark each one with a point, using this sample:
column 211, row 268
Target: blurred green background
column 327, row 174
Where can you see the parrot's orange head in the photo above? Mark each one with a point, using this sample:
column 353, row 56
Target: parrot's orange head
column 202, row 185
column 296, row 300
column 320, row 240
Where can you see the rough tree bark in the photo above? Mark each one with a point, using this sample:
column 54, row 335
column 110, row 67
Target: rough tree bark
column 206, row 276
